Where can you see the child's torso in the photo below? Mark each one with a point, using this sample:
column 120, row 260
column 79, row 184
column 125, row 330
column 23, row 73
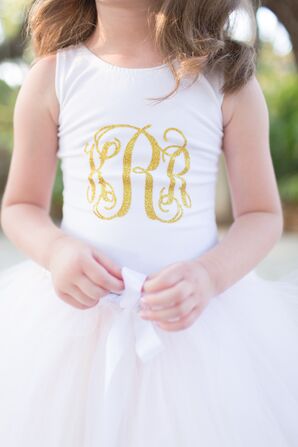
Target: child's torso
column 139, row 176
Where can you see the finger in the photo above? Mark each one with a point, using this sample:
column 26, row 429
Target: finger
column 168, row 297
column 101, row 277
column 167, row 277
column 89, row 288
column 180, row 310
column 78, row 295
column 107, row 263
column 152, row 275
column 68, row 299
column 182, row 323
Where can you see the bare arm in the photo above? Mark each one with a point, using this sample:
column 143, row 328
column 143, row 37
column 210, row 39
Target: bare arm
column 81, row 274
column 26, row 202
column 258, row 219
column 175, row 296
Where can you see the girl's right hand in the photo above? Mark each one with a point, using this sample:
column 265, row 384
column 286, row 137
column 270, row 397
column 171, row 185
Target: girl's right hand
column 81, row 274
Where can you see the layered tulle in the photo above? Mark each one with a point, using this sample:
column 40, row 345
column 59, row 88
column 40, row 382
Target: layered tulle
column 102, row 377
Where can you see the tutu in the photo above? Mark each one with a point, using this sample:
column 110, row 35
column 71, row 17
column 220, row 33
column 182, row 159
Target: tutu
column 104, row 376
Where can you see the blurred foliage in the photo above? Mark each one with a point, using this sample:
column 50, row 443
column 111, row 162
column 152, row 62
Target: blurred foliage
column 12, row 14
column 279, row 81
column 284, row 127
column 8, row 97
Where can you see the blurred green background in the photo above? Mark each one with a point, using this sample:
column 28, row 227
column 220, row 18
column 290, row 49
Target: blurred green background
column 277, row 73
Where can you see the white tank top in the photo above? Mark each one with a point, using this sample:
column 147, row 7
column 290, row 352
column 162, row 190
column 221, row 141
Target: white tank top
column 139, row 176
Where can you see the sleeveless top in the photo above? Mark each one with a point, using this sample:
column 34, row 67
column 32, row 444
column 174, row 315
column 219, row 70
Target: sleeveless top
column 139, row 175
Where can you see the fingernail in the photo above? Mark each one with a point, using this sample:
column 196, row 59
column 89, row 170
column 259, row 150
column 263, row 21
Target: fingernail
column 145, row 306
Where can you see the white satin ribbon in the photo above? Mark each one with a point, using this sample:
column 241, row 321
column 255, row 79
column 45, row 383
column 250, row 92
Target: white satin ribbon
column 146, row 340
column 128, row 331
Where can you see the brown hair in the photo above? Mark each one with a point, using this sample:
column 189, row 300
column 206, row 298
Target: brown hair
column 197, row 33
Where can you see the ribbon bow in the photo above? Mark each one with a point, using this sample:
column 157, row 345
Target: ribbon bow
column 146, row 340
column 128, row 329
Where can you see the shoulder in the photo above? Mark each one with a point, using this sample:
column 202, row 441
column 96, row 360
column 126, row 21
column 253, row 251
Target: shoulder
column 41, row 72
column 246, row 121
column 39, row 84
column 247, row 102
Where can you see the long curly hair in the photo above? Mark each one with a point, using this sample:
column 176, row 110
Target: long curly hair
column 197, row 33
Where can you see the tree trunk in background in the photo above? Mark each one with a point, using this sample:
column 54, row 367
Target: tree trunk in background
column 287, row 13
column 223, row 206
column 14, row 47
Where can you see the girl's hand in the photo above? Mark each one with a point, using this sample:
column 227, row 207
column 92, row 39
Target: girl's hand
column 180, row 291
column 81, row 274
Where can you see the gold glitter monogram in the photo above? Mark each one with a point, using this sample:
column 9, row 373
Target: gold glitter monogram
column 101, row 193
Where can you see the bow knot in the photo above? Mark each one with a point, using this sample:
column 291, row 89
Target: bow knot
column 133, row 282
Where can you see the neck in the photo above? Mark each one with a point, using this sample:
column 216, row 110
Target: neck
column 123, row 25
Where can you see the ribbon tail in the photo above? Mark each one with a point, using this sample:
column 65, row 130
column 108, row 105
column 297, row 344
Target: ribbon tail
column 148, row 344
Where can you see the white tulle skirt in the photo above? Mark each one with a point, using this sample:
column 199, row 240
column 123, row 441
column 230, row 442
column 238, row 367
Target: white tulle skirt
column 103, row 377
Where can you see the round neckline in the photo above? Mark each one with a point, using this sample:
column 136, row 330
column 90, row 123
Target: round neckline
column 114, row 67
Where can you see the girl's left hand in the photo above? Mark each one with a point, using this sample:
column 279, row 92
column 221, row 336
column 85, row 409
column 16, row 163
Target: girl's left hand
column 180, row 291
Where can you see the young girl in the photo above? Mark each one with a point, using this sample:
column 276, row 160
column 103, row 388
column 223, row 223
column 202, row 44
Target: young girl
column 132, row 324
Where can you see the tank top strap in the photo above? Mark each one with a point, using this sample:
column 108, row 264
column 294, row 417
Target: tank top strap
column 64, row 58
column 216, row 81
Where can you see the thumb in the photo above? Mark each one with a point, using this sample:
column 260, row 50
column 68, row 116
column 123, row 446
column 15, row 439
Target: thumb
column 152, row 275
column 148, row 278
